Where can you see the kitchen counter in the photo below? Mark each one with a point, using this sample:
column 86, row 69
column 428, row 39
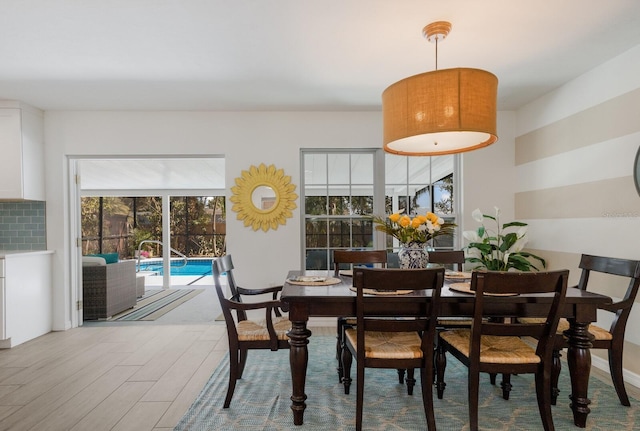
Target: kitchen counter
column 12, row 253
column 26, row 296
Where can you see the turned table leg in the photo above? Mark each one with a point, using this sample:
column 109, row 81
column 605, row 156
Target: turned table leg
column 298, row 359
column 579, row 361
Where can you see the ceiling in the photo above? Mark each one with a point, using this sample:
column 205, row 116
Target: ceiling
column 283, row 55
column 292, row 54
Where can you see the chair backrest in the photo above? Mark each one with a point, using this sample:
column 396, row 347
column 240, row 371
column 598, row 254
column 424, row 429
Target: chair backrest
column 619, row 267
column 370, row 308
column 455, row 258
column 221, row 266
column 358, row 257
column 486, row 284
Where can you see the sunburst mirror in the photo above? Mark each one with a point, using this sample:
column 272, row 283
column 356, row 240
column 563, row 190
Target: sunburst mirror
column 263, row 197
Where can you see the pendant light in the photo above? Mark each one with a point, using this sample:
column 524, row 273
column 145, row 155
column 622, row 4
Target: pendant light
column 440, row 112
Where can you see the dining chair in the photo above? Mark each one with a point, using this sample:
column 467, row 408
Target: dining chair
column 496, row 346
column 403, row 342
column 453, row 259
column 612, row 339
column 243, row 333
column 345, row 260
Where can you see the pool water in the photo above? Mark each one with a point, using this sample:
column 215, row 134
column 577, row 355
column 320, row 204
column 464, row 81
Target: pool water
column 197, row 267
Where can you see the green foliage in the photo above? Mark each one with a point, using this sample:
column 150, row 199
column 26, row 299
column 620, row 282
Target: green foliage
column 500, row 250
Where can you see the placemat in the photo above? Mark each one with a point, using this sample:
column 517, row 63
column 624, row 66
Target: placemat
column 381, row 292
column 466, row 288
column 314, row 281
column 452, row 275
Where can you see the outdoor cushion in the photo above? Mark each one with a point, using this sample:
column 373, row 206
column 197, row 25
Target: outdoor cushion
column 93, row 261
column 108, row 257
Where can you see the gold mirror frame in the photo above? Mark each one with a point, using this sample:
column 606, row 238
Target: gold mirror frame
column 278, row 211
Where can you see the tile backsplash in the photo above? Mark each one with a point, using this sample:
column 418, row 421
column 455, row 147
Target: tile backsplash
column 22, row 226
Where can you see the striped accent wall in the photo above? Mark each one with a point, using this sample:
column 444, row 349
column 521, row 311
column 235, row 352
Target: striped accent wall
column 575, row 188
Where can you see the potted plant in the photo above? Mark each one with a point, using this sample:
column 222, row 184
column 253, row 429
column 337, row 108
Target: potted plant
column 500, row 249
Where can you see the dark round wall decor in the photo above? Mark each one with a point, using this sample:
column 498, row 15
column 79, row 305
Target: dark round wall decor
column 636, row 171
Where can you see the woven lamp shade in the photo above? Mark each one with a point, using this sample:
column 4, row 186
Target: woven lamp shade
column 441, row 112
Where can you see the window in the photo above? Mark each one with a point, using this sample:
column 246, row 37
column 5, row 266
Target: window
column 415, row 185
column 338, row 203
column 342, row 189
column 119, row 224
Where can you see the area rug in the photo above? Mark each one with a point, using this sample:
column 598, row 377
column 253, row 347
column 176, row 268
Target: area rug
column 261, row 400
column 156, row 303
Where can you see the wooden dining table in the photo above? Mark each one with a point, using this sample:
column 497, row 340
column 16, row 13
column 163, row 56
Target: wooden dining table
column 336, row 300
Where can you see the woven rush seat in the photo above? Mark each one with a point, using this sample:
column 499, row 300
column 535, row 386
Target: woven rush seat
column 388, row 345
column 453, row 322
column 563, row 325
column 493, row 349
column 250, row 330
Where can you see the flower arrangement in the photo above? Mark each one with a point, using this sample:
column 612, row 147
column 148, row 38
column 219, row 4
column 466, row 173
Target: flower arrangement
column 418, row 229
column 499, row 250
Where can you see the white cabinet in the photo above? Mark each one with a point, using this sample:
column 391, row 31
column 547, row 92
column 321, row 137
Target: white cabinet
column 21, row 152
column 26, row 296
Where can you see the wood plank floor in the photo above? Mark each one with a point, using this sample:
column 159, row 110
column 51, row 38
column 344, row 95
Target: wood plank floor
column 114, row 377
column 109, row 377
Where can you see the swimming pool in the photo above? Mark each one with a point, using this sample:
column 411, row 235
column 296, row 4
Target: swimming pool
column 195, row 266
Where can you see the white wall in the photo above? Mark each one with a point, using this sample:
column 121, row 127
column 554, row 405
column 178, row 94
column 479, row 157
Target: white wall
column 244, row 138
column 574, row 164
column 489, row 175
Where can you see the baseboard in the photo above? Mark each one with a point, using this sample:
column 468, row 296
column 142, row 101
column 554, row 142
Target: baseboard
column 603, row 364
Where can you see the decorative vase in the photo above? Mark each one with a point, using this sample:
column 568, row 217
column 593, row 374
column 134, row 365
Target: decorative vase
column 413, row 255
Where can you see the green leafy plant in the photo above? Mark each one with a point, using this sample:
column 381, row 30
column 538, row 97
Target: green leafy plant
column 500, row 249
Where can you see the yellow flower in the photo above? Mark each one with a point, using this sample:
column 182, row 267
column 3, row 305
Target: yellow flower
column 432, row 217
column 417, row 229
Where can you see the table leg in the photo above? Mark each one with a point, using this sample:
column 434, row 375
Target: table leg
column 579, row 360
column 298, row 359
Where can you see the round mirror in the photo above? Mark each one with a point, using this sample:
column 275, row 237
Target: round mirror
column 263, row 197
column 636, row 171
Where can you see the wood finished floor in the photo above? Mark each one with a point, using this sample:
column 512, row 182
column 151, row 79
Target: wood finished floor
column 120, row 377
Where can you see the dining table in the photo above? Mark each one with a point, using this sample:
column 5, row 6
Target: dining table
column 322, row 294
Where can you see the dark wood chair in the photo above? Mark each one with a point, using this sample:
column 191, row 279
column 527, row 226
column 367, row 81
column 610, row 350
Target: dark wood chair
column 496, row 347
column 613, row 338
column 245, row 334
column 345, row 260
column 452, row 259
column 379, row 342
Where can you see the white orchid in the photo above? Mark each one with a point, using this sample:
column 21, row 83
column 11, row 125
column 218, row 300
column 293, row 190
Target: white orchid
column 477, row 215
